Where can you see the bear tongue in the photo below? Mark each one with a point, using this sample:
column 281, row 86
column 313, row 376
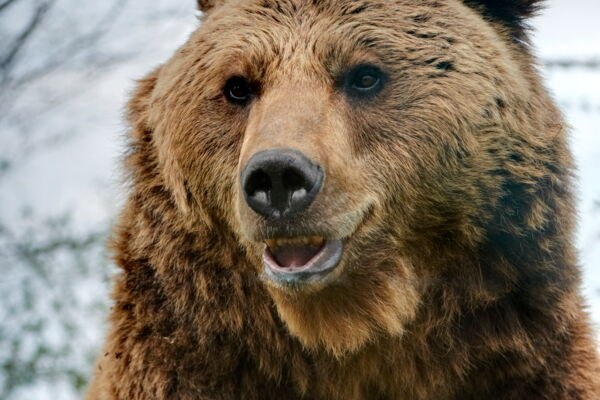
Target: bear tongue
column 289, row 256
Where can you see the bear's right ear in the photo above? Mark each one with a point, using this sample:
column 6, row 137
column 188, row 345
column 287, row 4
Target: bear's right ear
column 511, row 13
column 207, row 5
column 144, row 141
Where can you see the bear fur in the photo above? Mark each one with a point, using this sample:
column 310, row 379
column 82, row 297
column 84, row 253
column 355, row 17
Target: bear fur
column 452, row 189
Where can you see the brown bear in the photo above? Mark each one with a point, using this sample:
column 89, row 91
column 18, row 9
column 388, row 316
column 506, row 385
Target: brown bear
column 349, row 199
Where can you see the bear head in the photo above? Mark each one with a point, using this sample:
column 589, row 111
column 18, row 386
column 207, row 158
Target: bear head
column 356, row 153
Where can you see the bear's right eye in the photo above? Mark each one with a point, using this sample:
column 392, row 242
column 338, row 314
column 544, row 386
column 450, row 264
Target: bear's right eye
column 364, row 81
column 238, row 90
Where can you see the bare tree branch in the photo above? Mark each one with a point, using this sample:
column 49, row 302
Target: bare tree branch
column 76, row 46
column 593, row 63
column 5, row 4
column 19, row 42
column 12, row 80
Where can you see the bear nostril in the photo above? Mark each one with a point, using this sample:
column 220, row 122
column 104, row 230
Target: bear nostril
column 258, row 182
column 258, row 187
column 293, row 180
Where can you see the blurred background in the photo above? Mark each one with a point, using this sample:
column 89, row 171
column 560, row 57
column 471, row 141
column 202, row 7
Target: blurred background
column 66, row 69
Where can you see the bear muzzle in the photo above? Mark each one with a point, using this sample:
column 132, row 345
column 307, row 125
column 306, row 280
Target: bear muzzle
column 280, row 184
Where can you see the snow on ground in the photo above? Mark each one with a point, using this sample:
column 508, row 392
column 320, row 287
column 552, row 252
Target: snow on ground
column 79, row 173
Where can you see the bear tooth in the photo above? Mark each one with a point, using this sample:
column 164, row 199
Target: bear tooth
column 317, row 240
column 296, row 241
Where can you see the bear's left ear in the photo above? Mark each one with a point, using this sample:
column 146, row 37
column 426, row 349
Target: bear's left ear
column 207, row 5
column 511, row 13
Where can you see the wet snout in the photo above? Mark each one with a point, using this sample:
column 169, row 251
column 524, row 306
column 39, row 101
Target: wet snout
column 280, row 182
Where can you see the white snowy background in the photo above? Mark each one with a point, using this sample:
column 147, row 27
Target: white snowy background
column 66, row 69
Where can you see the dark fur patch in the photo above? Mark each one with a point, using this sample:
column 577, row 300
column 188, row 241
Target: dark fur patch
column 511, row 13
column 445, row 65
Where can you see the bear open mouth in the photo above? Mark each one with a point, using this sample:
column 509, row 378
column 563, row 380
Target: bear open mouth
column 295, row 259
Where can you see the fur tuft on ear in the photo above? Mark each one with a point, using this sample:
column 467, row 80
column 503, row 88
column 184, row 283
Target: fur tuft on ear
column 207, row 5
column 511, row 13
column 142, row 136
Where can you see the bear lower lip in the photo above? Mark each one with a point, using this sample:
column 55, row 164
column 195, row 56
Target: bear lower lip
column 292, row 262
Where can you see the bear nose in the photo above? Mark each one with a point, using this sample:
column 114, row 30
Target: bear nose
column 282, row 182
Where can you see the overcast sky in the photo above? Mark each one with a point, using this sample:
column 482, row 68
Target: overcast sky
column 568, row 28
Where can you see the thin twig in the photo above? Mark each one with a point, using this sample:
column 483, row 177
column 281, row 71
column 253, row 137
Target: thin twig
column 5, row 4
column 20, row 41
column 593, row 63
column 74, row 48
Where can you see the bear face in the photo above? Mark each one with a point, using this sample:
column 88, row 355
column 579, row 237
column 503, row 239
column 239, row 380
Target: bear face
column 348, row 200
column 357, row 152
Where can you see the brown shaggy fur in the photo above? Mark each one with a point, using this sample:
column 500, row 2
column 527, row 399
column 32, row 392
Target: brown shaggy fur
column 452, row 189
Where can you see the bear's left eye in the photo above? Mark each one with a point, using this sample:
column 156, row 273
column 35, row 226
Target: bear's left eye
column 363, row 81
column 238, row 90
